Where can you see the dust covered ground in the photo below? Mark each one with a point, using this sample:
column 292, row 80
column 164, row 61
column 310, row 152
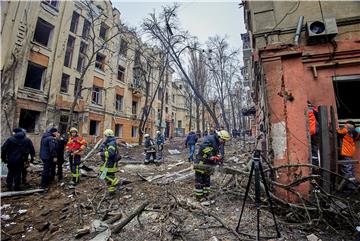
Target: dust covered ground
column 172, row 212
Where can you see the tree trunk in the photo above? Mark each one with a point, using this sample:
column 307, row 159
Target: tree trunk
column 197, row 115
column 190, row 113
column 203, row 119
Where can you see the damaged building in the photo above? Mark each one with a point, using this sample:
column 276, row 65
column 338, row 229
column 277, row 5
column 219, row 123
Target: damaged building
column 45, row 48
column 302, row 51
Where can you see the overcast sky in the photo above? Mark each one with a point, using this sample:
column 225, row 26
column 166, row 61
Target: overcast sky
column 200, row 18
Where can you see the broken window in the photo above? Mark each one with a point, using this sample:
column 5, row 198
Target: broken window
column 76, row 86
column 179, row 123
column 137, row 76
column 173, row 98
column 100, row 62
column 96, row 95
column 63, row 123
column 94, row 128
column 82, row 55
column 134, row 131
column 159, row 114
column 166, row 110
column 137, row 57
column 123, row 47
column 86, row 29
column 34, row 76
column 103, row 31
column 69, row 51
column 346, row 89
column 118, row 130
column 166, row 98
column 134, row 108
column 160, row 91
column 121, row 73
column 43, row 32
column 28, row 119
column 119, row 103
column 74, row 22
column 52, row 3
column 64, row 83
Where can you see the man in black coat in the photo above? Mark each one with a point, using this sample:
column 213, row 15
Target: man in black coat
column 12, row 153
column 28, row 150
column 48, row 154
column 61, row 143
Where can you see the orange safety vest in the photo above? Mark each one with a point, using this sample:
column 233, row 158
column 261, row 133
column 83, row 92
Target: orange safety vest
column 76, row 143
column 312, row 119
column 347, row 143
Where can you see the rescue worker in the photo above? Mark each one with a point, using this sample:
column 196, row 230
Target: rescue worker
column 207, row 157
column 150, row 150
column 12, row 153
column 75, row 149
column 160, row 140
column 108, row 152
column 28, row 150
column 313, row 115
column 190, row 142
column 48, row 154
column 347, row 136
column 62, row 140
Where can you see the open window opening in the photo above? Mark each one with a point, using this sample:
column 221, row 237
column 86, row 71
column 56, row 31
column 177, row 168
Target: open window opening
column 64, row 83
column 346, row 90
column 43, row 32
column 96, row 95
column 134, row 131
column 94, row 128
column 118, row 130
column 119, row 103
column 29, row 120
column 100, row 62
column 35, row 75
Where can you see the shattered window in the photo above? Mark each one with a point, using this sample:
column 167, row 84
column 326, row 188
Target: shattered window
column 119, row 103
column 103, row 31
column 94, row 128
column 121, row 73
column 123, row 47
column 81, row 58
column 69, row 51
column 134, row 131
column 86, row 29
column 43, row 32
column 96, row 95
column 134, row 107
column 64, row 83
column 100, row 62
column 34, row 76
column 74, row 22
column 52, row 3
column 118, row 130
column 28, row 119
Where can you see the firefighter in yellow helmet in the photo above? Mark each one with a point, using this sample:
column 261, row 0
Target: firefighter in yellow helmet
column 206, row 159
column 74, row 150
column 109, row 155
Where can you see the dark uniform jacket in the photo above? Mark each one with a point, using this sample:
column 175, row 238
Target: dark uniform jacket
column 191, row 139
column 208, row 148
column 48, row 146
column 110, row 147
column 148, row 143
column 13, row 150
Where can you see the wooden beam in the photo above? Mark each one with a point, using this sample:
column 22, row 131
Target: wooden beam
column 325, row 147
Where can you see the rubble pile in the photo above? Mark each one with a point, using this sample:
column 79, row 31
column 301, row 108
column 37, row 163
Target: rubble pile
column 154, row 202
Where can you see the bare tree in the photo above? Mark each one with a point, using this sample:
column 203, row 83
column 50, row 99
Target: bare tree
column 221, row 64
column 164, row 30
column 96, row 45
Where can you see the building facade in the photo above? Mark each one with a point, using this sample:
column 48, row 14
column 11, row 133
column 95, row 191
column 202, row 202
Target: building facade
column 54, row 51
column 302, row 51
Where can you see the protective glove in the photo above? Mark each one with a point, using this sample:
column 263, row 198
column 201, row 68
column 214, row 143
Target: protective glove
column 215, row 158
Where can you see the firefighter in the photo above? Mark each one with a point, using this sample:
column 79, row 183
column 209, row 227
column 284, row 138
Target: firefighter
column 160, row 140
column 313, row 115
column 347, row 136
column 150, row 150
column 74, row 149
column 108, row 153
column 207, row 157
column 12, row 153
column 48, row 154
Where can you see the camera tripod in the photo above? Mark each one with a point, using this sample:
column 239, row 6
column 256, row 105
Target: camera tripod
column 256, row 165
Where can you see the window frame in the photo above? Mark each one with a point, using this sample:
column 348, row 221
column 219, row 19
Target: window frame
column 98, row 95
column 67, row 83
column 101, row 63
column 43, row 75
column 45, row 23
column 69, row 50
column 76, row 22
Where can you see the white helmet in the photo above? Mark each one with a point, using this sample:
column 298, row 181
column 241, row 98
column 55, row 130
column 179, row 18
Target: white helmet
column 146, row 135
column 108, row 132
column 157, row 132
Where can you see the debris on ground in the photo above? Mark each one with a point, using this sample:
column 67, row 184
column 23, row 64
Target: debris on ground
column 156, row 202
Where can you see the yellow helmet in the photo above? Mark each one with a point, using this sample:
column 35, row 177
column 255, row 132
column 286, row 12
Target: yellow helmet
column 74, row 129
column 108, row 132
column 224, row 135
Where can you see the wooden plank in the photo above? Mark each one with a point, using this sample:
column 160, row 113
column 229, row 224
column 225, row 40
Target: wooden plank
column 334, row 159
column 325, row 147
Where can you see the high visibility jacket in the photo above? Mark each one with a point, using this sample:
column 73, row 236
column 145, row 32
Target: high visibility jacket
column 313, row 116
column 108, row 152
column 347, row 143
column 76, row 143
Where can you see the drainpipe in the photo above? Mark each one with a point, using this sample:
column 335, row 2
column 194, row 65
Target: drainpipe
column 298, row 30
